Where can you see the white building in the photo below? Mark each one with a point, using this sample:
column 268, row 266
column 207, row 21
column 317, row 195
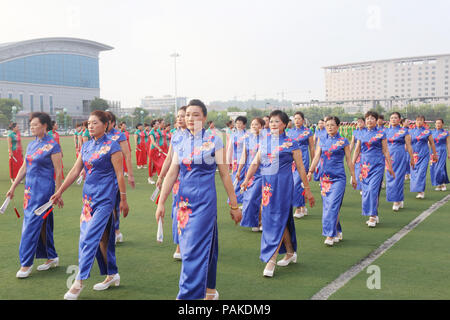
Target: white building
column 163, row 104
column 51, row 74
column 390, row 82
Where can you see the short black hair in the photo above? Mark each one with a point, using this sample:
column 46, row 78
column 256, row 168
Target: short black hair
column 380, row 116
column 371, row 114
column 138, row 125
column 397, row 113
column 440, row 119
column 420, row 116
column 12, row 125
column 336, row 119
column 241, row 118
column 198, row 103
column 280, row 114
column 300, row 114
column 44, row 118
column 112, row 117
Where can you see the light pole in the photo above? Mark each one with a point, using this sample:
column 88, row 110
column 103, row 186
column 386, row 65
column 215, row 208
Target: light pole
column 175, row 56
column 65, row 119
column 13, row 113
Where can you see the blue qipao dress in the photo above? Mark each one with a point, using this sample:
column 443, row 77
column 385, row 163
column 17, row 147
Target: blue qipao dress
column 253, row 195
column 237, row 140
column 372, row 169
column 278, row 189
column 356, row 134
column 438, row 170
column 320, row 133
column 421, row 154
column 99, row 201
column 197, row 213
column 332, row 182
column 37, row 233
column 301, row 135
column 396, row 144
column 175, row 141
column 119, row 136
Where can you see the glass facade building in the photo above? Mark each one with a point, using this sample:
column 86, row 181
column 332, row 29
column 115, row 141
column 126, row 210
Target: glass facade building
column 53, row 69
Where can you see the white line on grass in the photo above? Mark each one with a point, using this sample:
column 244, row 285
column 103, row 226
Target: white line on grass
column 340, row 281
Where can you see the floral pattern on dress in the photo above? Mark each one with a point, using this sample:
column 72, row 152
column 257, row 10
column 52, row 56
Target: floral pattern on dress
column 416, row 157
column 365, row 168
column 97, row 154
column 373, row 139
column 334, row 147
column 422, row 134
column 396, row 135
column 87, row 209
column 176, row 187
column 266, row 194
column 26, row 197
column 40, row 151
column 183, row 212
column 325, row 184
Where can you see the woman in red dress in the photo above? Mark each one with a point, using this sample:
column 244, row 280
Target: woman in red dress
column 141, row 149
column 14, row 151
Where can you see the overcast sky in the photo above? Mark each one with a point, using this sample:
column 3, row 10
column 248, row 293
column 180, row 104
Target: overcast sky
column 232, row 48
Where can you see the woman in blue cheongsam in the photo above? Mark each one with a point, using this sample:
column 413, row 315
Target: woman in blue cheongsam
column 119, row 136
column 305, row 139
column 372, row 146
column 420, row 138
column 360, row 127
column 398, row 140
column 275, row 157
column 251, row 208
column 438, row 169
column 320, row 132
column 331, row 149
column 195, row 159
column 102, row 159
column 176, row 139
column 42, row 160
column 234, row 152
column 404, row 123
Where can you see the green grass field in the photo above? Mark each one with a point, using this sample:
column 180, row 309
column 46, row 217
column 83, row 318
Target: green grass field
column 415, row 268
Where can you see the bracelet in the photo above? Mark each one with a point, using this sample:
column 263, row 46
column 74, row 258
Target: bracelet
column 123, row 193
column 233, row 208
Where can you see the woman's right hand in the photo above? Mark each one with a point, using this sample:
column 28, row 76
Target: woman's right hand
column 309, row 175
column 56, row 198
column 244, row 185
column 10, row 193
column 160, row 211
column 159, row 182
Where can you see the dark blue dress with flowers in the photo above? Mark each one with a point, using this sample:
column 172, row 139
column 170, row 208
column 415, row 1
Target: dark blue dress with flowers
column 372, row 169
column 396, row 144
column 421, row 154
column 438, row 170
column 278, row 190
column 197, row 212
column 252, row 196
column 332, row 182
column 301, row 135
column 39, row 187
column 99, row 201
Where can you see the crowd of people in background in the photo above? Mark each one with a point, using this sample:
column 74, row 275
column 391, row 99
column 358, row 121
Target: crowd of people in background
column 266, row 166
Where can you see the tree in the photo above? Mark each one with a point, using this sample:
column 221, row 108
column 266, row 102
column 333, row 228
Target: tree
column 99, row 104
column 6, row 107
column 137, row 114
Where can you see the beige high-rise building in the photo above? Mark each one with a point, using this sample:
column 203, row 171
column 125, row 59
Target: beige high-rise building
column 390, row 82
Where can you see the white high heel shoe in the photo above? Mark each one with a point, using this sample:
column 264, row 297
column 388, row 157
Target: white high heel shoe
column 329, row 242
column 420, row 195
column 103, row 286
column 215, row 294
column 73, row 296
column 119, row 237
column 372, row 224
column 284, row 262
column 46, row 266
column 396, row 206
column 177, row 255
column 24, row 274
column 269, row 273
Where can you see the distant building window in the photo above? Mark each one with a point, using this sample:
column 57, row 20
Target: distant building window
column 41, row 103
column 50, row 102
column 31, row 102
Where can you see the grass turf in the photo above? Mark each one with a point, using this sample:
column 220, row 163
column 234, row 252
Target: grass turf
column 148, row 271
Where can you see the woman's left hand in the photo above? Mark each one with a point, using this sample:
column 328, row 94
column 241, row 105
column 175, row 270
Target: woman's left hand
column 310, row 197
column 236, row 215
column 391, row 172
column 123, row 207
